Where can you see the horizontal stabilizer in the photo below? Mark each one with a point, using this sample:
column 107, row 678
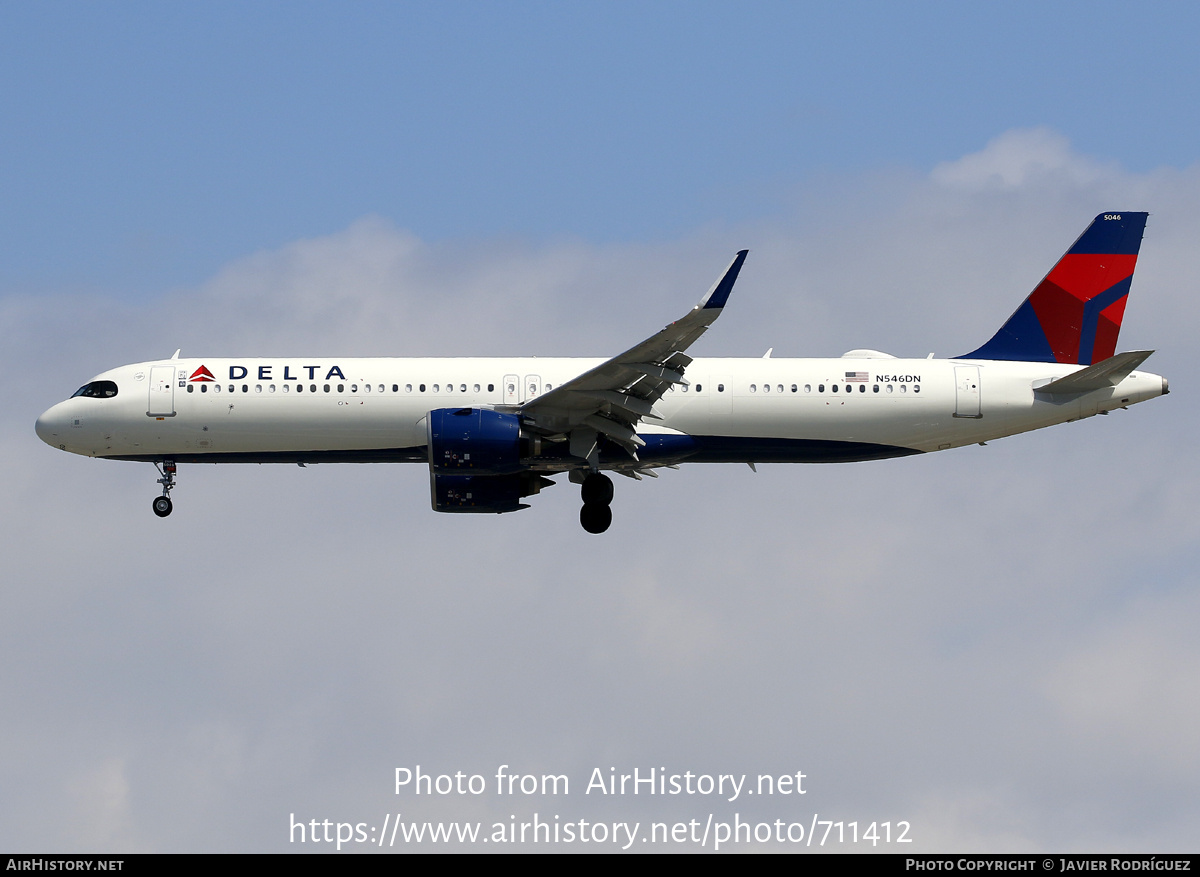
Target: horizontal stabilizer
column 1099, row 376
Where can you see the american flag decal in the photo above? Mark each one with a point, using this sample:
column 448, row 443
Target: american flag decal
column 857, row 377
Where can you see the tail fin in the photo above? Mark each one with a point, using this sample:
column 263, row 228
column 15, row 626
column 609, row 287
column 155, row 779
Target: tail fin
column 1074, row 314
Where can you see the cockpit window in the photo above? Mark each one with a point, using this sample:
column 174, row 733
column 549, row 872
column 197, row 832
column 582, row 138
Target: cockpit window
column 97, row 390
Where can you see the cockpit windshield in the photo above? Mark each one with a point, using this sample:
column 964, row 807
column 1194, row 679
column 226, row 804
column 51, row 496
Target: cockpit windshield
column 97, row 390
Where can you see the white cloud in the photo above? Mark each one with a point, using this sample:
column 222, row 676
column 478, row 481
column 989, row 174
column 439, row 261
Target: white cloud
column 1128, row 690
column 102, row 818
column 1023, row 158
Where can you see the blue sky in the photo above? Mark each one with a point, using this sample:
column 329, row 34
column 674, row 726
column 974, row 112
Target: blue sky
column 996, row 644
column 147, row 144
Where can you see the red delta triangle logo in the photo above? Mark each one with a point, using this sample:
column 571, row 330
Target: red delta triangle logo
column 202, row 374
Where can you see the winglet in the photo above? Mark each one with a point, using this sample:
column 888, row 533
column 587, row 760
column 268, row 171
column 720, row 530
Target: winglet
column 719, row 294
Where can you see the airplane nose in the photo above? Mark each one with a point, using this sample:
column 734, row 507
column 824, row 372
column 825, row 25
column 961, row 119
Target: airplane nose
column 50, row 427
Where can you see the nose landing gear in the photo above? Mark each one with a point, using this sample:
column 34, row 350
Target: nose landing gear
column 597, row 492
column 162, row 504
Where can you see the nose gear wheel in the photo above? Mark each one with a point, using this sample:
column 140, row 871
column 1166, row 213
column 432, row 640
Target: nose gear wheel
column 162, row 504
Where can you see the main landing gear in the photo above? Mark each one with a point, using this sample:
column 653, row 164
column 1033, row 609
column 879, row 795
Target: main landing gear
column 162, row 504
column 597, row 491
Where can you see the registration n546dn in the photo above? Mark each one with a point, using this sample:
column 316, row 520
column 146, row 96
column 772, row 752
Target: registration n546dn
column 494, row 432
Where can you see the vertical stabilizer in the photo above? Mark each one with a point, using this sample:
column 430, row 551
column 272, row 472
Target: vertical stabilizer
column 1074, row 314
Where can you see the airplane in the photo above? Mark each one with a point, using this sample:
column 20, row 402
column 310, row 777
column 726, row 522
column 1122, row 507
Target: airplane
column 494, row 431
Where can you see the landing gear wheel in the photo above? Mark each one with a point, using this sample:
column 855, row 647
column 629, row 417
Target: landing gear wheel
column 162, row 504
column 597, row 489
column 595, row 518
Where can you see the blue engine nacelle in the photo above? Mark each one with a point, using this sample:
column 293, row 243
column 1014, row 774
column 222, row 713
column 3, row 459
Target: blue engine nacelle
column 476, row 441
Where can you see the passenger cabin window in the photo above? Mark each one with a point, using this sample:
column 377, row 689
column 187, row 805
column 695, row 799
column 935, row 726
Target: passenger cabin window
column 97, row 390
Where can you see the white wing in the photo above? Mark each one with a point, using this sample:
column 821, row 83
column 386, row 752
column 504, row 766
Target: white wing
column 613, row 397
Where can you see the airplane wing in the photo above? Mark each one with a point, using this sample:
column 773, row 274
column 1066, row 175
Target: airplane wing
column 613, row 397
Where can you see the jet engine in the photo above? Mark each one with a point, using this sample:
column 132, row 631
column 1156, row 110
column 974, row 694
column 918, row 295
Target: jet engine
column 478, row 461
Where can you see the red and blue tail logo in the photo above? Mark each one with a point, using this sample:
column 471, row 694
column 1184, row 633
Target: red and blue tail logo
column 1074, row 314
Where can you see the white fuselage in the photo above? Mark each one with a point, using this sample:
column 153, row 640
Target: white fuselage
column 750, row 410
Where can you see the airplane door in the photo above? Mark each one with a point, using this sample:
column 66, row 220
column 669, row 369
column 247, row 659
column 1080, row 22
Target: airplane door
column 512, row 390
column 532, row 387
column 966, row 391
column 162, row 391
column 719, row 393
